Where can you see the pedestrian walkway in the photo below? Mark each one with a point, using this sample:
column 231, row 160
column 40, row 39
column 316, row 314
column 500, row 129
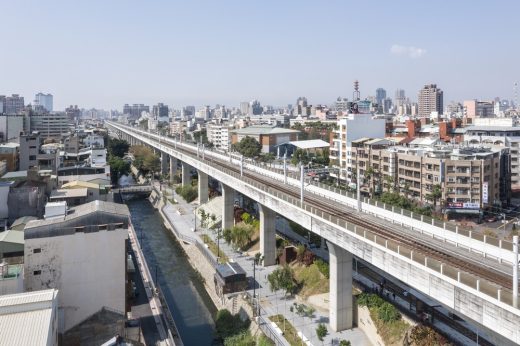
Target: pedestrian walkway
column 182, row 217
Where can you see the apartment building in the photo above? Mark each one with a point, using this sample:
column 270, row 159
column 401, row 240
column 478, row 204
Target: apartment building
column 351, row 128
column 499, row 137
column 29, row 149
column 50, row 125
column 471, row 178
column 82, row 253
column 219, row 135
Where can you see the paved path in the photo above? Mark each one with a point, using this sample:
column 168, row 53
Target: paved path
column 272, row 302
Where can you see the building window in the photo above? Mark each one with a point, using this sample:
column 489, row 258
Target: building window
column 37, row 272
column 32, row 157
column 38, row 250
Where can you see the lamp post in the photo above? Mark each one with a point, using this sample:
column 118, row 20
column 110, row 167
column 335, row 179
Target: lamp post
column 218, row 243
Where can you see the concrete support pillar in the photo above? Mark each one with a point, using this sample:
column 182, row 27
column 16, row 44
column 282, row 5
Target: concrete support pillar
column 228, row 211
column 173, row 168
column 203, row 187
column 267, row 235
column 340, row 300
column 164, row 163
column 186, row 175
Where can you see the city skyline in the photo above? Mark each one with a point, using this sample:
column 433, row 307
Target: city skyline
column 207, row 53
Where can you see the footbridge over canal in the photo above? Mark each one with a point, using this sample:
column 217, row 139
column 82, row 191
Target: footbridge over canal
column 471, row 275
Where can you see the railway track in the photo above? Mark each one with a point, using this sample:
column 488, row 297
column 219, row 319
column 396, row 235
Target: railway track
column 467, row 265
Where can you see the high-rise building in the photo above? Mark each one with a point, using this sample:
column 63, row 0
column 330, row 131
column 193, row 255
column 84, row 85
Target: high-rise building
column 73, row 112
column 301, row 106
column 430, row 100
column 135, row 110
column 44, row 100
column 244, row 108
column 380, row 95
column 13, row 104
column 160, row 110
column 480, row 109
column 255, row 107
column 50, row 125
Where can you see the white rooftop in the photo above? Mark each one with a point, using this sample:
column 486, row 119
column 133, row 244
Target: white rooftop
column 310, row 144
column 26, row 318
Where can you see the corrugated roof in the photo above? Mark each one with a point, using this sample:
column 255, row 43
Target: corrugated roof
column 310, row 144
column 26, row 318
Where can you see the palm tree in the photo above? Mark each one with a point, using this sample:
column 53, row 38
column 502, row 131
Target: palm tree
column 390, row 183
column 435, row 194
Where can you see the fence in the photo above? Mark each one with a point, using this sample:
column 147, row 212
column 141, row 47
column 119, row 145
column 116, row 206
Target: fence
column 492, row 290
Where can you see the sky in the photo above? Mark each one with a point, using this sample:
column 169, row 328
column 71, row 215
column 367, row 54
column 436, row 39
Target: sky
column 104, row 53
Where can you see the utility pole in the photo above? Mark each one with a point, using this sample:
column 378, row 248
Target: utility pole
column 358, row 186
column 302, row 172
column 285, row 168
column 515, row 271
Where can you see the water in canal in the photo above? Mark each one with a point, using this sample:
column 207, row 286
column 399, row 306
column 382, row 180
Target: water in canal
column 191, row 306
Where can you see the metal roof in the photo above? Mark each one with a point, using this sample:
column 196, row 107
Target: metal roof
column 26, row 318
column 263, row 130
column 230, row 269
column 310, row 144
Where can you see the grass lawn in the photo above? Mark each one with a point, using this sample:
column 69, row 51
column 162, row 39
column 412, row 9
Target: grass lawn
column 214, row 249
column 290, row 333
column 312, row 280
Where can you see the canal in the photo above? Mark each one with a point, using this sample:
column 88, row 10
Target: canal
column 191, row 306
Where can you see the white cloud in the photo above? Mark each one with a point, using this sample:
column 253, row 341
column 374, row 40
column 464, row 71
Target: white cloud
column 410, row 51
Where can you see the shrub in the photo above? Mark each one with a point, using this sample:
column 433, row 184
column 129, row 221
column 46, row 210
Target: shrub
column 388, row 313
column 323, row 267
column 227, row 325
column 424, row 336
column 189, row 193
column 370, row 300
column 345, row 343
column 243, row 339
column 321, row 331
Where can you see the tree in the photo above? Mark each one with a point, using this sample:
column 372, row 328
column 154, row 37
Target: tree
column 345, row 343
column 248, row 146
column 117, row 147
column 435, row 194
column 152, row 163
column 241, row 235
column 282, row 279
column 390, row 183
column 118, row 168
column 300, row 252
column 300, row 155
column 321, row 331
column 227, row 325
